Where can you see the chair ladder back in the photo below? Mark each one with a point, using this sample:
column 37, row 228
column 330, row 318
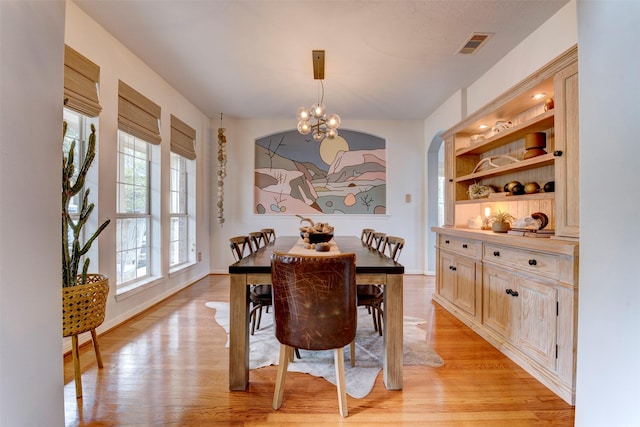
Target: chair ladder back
column 240, row 247
column 258, row 239
column 377, row 241
column 393, row 247
column 367, row 235
column 270, row 234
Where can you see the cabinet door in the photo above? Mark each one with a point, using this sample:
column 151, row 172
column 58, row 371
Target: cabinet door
column 449, row 183
column 447, row 277
column 537, row 320
column 567, row 150
column 497, row 301
column 465, row 284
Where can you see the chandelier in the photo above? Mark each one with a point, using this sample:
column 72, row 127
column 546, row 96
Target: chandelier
column 315, row 120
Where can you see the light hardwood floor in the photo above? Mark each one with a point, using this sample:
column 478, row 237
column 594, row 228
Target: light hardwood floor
column 168, row 367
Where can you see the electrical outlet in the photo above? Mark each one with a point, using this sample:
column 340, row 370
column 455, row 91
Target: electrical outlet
column 199, row 256
column 407, row 198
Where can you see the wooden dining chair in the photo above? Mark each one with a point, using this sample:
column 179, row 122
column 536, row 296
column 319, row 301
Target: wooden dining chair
column 377, row 241
column 393, row 247
column 259, row 295
column 372, row 296
column 240, row 247
column 270, row 234
column 367, row 235
column 258, row 239
column 314, row 300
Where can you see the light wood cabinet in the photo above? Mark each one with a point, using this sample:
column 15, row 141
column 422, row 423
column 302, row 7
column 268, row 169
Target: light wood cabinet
column 459, row 281
column 518, row 293
column 479, row 152
column 567, row 151
column 522, row 309
column 449, row 183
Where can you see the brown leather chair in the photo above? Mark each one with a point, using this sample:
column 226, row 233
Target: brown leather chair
column 314, row 299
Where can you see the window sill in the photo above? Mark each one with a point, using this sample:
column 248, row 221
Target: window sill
column 136, row 288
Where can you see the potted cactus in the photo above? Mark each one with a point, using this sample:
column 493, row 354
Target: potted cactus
column 84, row 295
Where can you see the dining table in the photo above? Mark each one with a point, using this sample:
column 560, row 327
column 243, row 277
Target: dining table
column 372, row 267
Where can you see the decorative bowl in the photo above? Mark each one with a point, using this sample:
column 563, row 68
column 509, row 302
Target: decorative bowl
column 318, row 237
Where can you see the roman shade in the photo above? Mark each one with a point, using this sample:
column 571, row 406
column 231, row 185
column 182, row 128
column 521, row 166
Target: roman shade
column 138, row 115
column 81, row 80
column 183, row 138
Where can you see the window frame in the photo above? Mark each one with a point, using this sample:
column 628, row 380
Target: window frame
column 143, row 245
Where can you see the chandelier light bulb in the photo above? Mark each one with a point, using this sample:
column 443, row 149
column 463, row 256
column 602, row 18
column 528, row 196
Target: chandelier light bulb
column 333, row 121
column 332, row 133
column 318, row 110
column 303, row 114
column 318, row 135
column 304, row 127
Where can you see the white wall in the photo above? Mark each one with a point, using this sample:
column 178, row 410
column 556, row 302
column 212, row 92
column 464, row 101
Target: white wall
column 118, row 63
column 547, row 42
column 608, row 380
column 405, row 158
column 31, row 52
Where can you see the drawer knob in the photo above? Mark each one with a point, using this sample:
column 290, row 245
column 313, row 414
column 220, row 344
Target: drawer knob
column 508, row 291
column 512, row 292
column 446, row 241
column 557, row 153
column 496, row 253
column 533, row 262
column 464, row 246
column 452, row 268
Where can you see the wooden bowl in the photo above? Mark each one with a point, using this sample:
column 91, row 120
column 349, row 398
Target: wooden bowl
column 318, row 237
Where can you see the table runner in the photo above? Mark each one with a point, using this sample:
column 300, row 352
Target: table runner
column 299, row 249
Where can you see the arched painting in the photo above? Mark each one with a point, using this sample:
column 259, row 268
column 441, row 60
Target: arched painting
column 294, row 174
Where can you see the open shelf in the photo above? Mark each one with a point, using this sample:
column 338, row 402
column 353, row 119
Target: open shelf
column 536, row 196
column 534, row 162
column 538, row 123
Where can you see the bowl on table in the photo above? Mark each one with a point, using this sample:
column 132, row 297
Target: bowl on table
column 318, row 237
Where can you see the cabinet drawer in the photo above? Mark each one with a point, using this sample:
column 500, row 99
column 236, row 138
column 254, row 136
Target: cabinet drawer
column 540, row 263
column 461, row 246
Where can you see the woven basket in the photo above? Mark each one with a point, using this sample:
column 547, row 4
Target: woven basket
column 83, row 306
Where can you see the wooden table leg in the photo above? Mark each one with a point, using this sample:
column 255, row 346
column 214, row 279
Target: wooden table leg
column 393, row 332
column 238, row 333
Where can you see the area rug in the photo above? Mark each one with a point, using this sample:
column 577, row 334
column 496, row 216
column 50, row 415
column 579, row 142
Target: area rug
column 265, row 349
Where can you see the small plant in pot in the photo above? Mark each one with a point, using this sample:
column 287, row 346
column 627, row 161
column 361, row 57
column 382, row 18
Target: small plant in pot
column 84, row 295
column 501, row 221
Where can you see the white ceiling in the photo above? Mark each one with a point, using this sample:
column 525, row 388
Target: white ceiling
column 252, row 59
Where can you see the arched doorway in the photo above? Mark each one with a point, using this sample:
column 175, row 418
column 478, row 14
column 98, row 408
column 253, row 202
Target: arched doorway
column 435, row 196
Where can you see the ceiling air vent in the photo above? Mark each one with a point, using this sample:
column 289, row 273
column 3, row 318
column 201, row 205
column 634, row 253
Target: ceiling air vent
column 474, row 42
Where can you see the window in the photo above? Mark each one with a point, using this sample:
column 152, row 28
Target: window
column 133, row 210
column 179, row 233
column 182, row 193
column 137, row 177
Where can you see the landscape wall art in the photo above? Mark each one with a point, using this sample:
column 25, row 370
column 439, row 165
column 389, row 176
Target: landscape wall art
column 296, row 175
